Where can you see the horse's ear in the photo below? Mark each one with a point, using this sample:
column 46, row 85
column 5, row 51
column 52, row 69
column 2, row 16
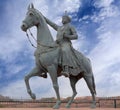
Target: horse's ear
column 29, row 7
column 32, row 6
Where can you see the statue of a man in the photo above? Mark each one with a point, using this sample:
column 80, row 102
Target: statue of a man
column 65, row 34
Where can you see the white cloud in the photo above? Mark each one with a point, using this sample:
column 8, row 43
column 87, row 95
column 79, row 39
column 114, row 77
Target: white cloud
column 106, row 50
column 57, row 7
column 103, row 3
column 15, row 90
column 13, row 69
column 13, row 41
column 107, row 10
column 106, row 54
column 9, row 47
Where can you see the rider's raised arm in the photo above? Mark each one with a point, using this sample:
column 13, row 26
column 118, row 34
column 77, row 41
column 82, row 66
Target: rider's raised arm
column 53, row 25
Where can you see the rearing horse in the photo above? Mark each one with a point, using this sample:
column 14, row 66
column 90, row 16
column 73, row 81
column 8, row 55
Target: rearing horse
column 47, row 58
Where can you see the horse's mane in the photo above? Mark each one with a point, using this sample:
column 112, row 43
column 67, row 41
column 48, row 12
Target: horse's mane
column 43, row 24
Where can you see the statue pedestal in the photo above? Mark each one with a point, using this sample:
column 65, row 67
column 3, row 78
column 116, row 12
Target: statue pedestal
column 58, row 109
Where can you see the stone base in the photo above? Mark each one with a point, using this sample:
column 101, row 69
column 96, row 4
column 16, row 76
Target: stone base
column 59, row 109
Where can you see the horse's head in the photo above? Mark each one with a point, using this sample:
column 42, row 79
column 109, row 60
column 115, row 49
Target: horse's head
column 35, row 18
column 32, row 18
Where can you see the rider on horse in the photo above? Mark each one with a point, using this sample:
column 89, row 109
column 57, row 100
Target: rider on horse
column 66, row 33
column 48, row 55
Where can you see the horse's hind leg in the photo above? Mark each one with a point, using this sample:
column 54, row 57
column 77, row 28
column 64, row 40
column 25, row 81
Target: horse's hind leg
column 73, row 81
column 33, row 72
column 91, row 86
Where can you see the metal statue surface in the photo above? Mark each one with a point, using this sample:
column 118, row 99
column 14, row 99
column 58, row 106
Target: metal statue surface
column 57, row 57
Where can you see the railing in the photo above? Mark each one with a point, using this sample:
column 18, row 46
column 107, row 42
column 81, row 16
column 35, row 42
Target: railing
column 102, row 102
column 36, row 104
column 109, row 102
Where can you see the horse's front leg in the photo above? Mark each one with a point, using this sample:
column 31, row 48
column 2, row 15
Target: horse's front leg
column 53, row 74
column 33, row 72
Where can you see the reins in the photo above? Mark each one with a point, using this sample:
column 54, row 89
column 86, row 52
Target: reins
column 38, row 43
column 30, row 40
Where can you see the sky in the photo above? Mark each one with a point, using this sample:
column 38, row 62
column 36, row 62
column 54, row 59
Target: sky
column 98, row 27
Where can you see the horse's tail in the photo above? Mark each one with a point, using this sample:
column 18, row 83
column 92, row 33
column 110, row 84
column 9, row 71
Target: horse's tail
column 93, row 80
column 94, row 85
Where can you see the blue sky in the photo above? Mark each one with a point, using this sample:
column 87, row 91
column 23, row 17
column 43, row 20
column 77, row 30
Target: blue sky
column 97, row 24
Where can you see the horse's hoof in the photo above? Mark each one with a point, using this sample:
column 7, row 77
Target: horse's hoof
column 57, row 105
column 67, row 106
column 33, row 96
column 93, row 106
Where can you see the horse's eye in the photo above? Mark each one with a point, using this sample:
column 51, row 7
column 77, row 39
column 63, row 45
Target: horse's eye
column 31, row 14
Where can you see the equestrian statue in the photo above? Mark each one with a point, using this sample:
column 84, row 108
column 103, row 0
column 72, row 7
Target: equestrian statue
column 57, row 57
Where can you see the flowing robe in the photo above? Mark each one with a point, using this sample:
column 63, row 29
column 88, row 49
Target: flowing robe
column 68, row 55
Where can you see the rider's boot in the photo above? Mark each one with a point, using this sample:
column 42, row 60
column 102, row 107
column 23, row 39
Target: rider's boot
column 44, row 75
column 65, row 71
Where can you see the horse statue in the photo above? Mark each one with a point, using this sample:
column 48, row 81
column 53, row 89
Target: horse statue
column 47, row 59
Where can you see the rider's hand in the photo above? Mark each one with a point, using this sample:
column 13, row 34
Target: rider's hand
column 58, row 41
column 65, row 35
